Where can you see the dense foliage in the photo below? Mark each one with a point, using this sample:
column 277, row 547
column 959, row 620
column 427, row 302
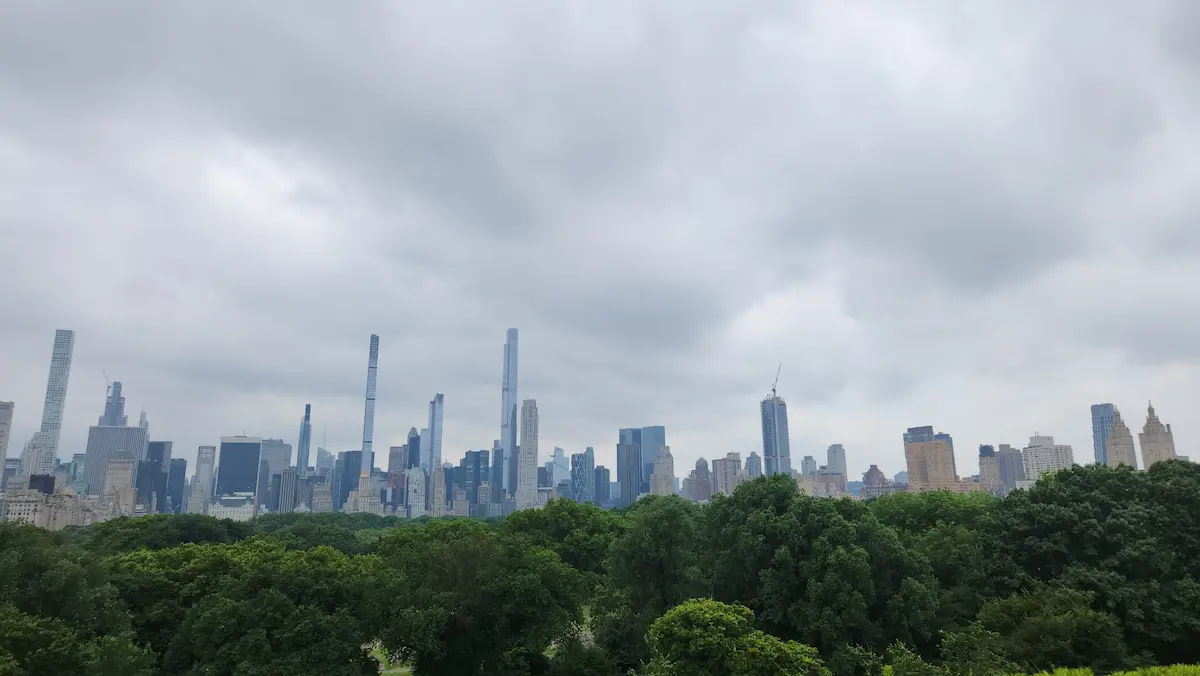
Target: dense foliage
column 1093, row 569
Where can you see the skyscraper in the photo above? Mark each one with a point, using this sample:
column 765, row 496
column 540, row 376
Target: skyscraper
column 808, row 466
column 989, row 470
column 237, row 469
column 203, row 481
column 6, row 415
column 1011, row 465
column 437, row 491
column 288, row 485
column 105, row 442
column 414, row 448
column 368, row 443
column 662, row 479
column 726, row 473
column 1158, row 442
column 42, row 450
column 1042, row 455
column 1102, row 420
column 304, row 443
column 476, row 472
column 777, row 452
column 930, row 460
column 702, row 482
column 583, row 479
column 754, row 468
column 508, row 412
column 172, row 502
column 629, row 473
column 351, row 474
column 499, row 467
column 1119, row 444
column 114, row 408
column 653, row 438
column 527, row 480
column 432, row 456
column 835, row 459
column 601, row 493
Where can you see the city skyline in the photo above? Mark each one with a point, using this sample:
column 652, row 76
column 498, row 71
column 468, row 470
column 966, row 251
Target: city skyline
column 667, row 202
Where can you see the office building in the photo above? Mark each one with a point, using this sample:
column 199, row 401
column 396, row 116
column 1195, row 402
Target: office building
column 238, row 466
column 176, row 480
column 1119, row 444
column 6, row 417
column 560, row 466
column 1042, row 455
column 989, row 470
column 1011, row 465
column 652, row 440
column 662, row 479
column 476, row 471
column 727, row 473
column 527, row 481
column 601, row 486
column 876, row 484
column 437, row 492
column 415, row 480
column 325, row 461
column 288, row 485
column 777, row 452
column 304, row 443
column 103, row 444
column 1158, row 442
column 41, row 453
column 808, row 466
column 367, row 460
column 431, row 453
column 349, row 472
column 702, row 484
column 754, row 468
column 1102, row 421
column 118, row 483
column 114, row 408
column 930, row 460
column 508, row 415
column 629, row 473
column 152, row 474
column 835, row 459
column 583, row 475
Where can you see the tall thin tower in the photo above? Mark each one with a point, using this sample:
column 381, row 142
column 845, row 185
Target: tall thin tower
column 305, row 442
column 776, row 445
column 527, row 470
column 508, row 412
column 43, row 447
column 368, row 457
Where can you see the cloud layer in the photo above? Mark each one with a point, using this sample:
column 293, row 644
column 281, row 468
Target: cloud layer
column 977, row 216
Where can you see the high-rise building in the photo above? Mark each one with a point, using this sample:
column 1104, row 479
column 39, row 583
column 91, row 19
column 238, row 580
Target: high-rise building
column 325, row 461
column 1011, row 465
column 118, row 482
column 415, row 485
column 6, row 416
column 152, row 475
column 754, row 468
column 989, row 470
column 288, row 484
column 431, row 453
column 1042, row 455
column 304, row 443
column 104, row 443
column 476, row 472
column 238, row 466
column 114, row 408
column 777, row 452
column 41, row 452
column 702, row 482
column 561, row 466
column 629, row 473
column 583, row 475
column 727, row 473
column 930, row 460
column 368, row 442
column 601, row 494
column 203, row 481
column 349, row 476
column 835, row 459
column 172, row 503
column 808, row 466
column 662, row 480
column 653, row 439
column 527, row 482
column 876, row 484
column 1158, row 442
column 508, row 413
column 1119, row 444
column 499, row 467
column 397, row 459
column 437, row 492
column 1102, row 420
column 414, row 448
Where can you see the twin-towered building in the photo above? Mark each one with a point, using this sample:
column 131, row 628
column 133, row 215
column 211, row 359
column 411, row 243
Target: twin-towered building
column 1113, row 442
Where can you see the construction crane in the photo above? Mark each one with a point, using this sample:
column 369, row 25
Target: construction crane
column 774, row 384
column 107, row 384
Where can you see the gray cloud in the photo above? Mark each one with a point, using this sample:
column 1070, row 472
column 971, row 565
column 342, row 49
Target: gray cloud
column 976, row 216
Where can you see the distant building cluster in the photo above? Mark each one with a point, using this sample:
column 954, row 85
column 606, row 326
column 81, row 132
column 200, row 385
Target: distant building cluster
column 124, row 471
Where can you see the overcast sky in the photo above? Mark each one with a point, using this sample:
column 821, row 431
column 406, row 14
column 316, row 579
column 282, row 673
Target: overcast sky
column 983, row 216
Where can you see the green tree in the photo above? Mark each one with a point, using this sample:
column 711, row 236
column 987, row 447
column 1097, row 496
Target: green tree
column 161, row 531
column 1055, row 627
column 468, row 600
column 580, row 534
column 703, row 637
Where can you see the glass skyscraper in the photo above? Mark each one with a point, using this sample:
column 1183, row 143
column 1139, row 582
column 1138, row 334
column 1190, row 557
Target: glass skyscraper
column 1102, row 423
column 777, row 452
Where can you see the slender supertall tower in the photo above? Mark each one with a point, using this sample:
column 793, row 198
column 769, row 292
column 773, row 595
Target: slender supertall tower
column 527, row 468
column 368, row 456
column 42, row 450
column 302, row 447
column 436, row 407
column 508, row 412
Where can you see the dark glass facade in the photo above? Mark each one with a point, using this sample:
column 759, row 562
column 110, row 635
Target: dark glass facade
column 237, row 467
